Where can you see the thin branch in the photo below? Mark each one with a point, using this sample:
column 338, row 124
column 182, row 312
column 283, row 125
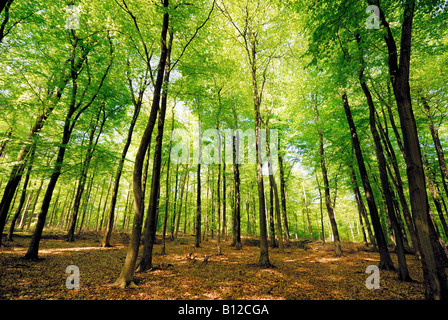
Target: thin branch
column 194, row 35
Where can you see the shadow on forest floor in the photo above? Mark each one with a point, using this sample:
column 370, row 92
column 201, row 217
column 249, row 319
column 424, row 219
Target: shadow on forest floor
column 186, row 273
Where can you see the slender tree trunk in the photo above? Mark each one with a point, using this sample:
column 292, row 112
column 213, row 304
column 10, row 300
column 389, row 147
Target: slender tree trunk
column 55, row 208
column 5, row 142
column 438, row 146
column 436, row 199
column 361, row 207
column 151, row 219
column 175, row 215
column 236, row 174
column 198, row 207
column 113, row 202
column 33, row 249
column 321, row 210
column 308, row 221
column 26, row 149
column 334, row 226
column 273, row 183
column 84, row 170
column 103, row 212
column 264, row 248
column 205, row 235
column 182, row 190
column 126, row 276
column 218, row 190
column 398, row 182
column 403, row 273
column 198, row 193
column 33, row 209
column 283, row 198
column 167, row 192
column 224, row 202
column 271, row 218
column 22, row 197
column 385, row 260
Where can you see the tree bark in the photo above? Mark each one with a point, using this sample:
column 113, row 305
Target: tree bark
column 167, row 195
column 403, row 273
column 334, row 226
column 361, row 207
column 385, row 260
column 84, row 170
column 321, row 211
column 273, row 184
column 435, row 278
column 22, row 197
column 283, row 198
column 438, row 146
column 137, row 106
column 308, row 221
column 152, row 213
column 264, row 248
column 126, row 277
column 74, row 65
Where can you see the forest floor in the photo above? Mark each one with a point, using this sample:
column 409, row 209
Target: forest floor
column 298, row 274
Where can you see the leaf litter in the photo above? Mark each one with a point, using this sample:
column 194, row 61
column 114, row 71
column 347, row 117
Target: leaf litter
column 185, row 272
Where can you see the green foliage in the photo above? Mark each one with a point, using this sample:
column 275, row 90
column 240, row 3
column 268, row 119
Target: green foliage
column 307, row 53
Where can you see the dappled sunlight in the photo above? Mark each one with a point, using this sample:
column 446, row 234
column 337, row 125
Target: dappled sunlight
column 77, row 249
column 298, row 274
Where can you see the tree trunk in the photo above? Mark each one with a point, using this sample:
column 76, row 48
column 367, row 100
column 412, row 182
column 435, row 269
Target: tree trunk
column 334, row 226
column 237, row 182
column 398, row 182
column 264, row 248
column 33, row 249
column 198, row 208
column 167, row 194
column 436, row 199
column 283, row 198
column 403, row 273
column 224, row 202
column 34, row 204
column 273, row 184
column 435, row 278
column 198, row 193
column 152, row 213
column 271, row 218
column 22, row 197
column 385, row 260
column 321, row 210
column 84, row 171
column 113, row 202
column 437, row 145
column 182, row 189
column 126, row 276
column 26, row 149
column 361, row 207
column 308, row 221
column 218, row 190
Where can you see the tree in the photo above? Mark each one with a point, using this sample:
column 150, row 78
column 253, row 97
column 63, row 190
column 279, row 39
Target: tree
column 126, row 277
column 435, row 279
column 76, row 107
column 334, row 226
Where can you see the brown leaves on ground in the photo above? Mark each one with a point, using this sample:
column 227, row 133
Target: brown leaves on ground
column 188, row 273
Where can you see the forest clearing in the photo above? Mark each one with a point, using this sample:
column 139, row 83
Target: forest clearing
column 298, row 274
column 224, row 149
